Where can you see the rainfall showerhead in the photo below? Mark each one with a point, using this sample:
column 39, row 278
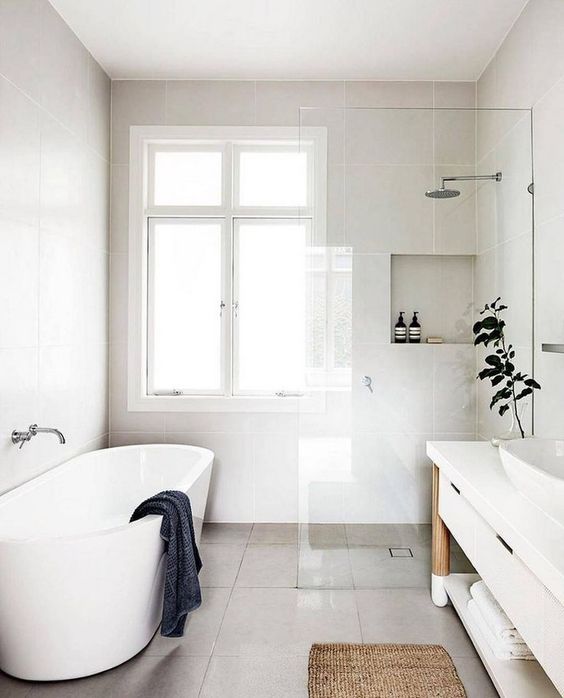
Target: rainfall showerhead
column 443, row 193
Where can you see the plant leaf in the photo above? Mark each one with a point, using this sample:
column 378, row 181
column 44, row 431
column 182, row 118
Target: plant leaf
column 489, row 323
column 524, row 393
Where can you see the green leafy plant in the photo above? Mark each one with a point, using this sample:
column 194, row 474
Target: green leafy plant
column 500, row 369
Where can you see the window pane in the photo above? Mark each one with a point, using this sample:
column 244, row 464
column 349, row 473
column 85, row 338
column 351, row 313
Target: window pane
column 188, row 178
column 271, row 290
column 185, row 290
column 270, row 178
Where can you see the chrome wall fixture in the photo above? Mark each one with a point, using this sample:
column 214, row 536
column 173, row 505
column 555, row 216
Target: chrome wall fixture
column 22, row 437
column 443, row 193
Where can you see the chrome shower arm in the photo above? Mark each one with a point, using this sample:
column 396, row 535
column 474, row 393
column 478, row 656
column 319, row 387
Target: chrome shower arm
column 471, row 178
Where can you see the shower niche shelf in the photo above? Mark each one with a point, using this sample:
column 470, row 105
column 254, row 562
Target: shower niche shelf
column 440, row 288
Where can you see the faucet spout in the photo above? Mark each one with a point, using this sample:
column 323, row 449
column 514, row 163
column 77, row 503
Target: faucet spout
column 22, row 437
column 34, row 429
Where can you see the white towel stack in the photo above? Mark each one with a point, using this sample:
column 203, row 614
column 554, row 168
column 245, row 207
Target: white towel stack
column 500, row 633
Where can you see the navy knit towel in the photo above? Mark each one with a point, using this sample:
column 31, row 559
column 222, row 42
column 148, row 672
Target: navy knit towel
column 182, row 587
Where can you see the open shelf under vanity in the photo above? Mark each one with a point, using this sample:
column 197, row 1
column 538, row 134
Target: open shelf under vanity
column 512, row 678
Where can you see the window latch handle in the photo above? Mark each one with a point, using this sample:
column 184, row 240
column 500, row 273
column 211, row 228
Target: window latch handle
column 236, row 309
column 221, row 308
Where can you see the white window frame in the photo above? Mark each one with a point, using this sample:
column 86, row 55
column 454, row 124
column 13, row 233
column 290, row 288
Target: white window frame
column 141, row 210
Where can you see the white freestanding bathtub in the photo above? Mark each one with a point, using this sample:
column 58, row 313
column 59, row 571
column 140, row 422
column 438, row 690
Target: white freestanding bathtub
column 80, row 587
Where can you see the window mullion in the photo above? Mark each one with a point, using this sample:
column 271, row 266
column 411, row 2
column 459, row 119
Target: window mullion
column 228, row 281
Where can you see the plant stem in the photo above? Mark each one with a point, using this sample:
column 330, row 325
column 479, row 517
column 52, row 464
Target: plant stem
column 514, row 400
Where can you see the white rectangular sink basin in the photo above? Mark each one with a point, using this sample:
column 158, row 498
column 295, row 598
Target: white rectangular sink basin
column 536, row 469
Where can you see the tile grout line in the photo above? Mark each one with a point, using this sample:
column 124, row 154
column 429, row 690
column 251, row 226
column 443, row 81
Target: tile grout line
column 354, row 589
column 212, row 653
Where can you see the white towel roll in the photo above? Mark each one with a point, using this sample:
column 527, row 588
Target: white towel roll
column 496, row 618
column 500, row 648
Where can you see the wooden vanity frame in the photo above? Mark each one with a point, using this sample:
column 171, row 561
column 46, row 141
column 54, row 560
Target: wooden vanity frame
column 440, row 547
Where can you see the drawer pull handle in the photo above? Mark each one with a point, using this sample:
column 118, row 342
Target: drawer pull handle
column 455, row 488
column 505, row 545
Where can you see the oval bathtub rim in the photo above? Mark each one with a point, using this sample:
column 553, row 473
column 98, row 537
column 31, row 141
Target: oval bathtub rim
column 65, row 465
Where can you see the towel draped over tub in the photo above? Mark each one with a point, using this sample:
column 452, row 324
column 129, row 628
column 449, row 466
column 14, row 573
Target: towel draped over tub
column 182, row 588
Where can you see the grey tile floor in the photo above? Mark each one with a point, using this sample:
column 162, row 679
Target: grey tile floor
column 269, row 592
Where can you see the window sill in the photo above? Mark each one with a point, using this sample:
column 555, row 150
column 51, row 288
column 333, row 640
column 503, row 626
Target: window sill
column 314, row 402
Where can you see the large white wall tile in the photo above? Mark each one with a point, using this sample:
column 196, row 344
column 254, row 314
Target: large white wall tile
column 209, row 422
column 99, row 97
column 64, row 72
column 402, row 381
column 454, row 95
column 454, row 389
column 549, row 371
column 389, row 136
column 371, row 298
column 19, row 247
column 119, row 213
column 486, row 86
column 95, row 215
column 121, row 418
column 19, row 43
column 513, row 158
column 455, row 137
column 19, row 155
column 514, row 283
column 133, row 438
column 231, row 489
column 549, row 154
column 549, row 281
column 386, row 209
column 73, row 281
column 546, row 18
column 278, row 102
column 275, row 477
column 324, row 466
column 389, row 480
column 455, row 219
column 18, row 389
column 63, row 180
column 118, row 296
column 336, row 205
column 210, row 102
column 333, row 120
column 515, row 77
column 134, row 102
column 374, row 93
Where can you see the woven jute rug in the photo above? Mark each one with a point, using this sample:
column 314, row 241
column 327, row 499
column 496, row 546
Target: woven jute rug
column 382, row 671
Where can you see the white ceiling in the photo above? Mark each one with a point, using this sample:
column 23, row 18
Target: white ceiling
column 297, row 39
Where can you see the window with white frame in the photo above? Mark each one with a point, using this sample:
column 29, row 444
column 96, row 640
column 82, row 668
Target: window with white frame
column 228, row 266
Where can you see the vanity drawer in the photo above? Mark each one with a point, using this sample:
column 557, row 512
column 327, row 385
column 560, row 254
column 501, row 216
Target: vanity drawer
column 459, row 516
column 515, row 587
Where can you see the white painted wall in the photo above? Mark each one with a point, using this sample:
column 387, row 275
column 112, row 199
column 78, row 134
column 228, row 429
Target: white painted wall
column 379, row 161
column 54, row 206
column 528, row 72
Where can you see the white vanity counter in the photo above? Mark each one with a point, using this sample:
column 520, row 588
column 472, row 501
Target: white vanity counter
column 538, row 540
column 516, row 548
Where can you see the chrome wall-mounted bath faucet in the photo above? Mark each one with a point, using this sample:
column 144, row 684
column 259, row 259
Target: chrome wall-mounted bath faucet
column 22, row 437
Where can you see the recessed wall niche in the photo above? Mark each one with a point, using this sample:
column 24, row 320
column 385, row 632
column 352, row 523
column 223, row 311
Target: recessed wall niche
column 439, row 287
